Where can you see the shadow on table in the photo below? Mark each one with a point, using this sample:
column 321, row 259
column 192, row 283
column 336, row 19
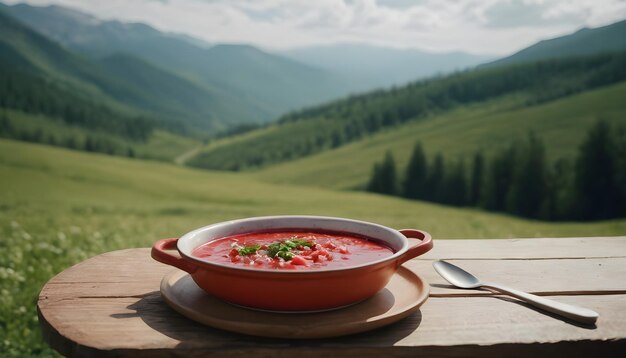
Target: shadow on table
column 497, row 295
column 550, row 314
column 159, row 316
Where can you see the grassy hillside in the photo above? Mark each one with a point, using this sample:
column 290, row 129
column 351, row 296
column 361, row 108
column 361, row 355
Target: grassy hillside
column 489, row 127
column 325, row 127
column 164, row 146
column 58, row 207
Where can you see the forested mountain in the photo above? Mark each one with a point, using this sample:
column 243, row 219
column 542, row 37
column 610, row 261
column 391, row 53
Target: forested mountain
column 51, row 95
column 370, row 66
column 252, row 85
column 586, row 41
column 121, row 81
column 169, row 95
column 91, row 36
column 40, row 77
column 274, row 84
column 329, row 126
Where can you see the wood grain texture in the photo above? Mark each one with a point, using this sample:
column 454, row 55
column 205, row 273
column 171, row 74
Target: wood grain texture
column 110, row 305
column 138, row 272
column 524, row 249
column 108, row 325
column 542, row 277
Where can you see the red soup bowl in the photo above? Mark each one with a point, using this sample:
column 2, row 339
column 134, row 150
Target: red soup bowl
column 293, row 290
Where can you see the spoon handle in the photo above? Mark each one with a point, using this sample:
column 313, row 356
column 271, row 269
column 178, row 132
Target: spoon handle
column 575, row 313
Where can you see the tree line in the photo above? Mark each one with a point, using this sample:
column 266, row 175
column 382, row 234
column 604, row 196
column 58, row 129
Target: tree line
column 34, row 94
column 94, row 142
column 519, row 180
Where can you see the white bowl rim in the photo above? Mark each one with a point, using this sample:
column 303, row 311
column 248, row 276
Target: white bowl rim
column 188, row 242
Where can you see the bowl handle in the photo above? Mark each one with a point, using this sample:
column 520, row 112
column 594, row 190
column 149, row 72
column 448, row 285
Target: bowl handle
column 424, row 245
column 158, row 253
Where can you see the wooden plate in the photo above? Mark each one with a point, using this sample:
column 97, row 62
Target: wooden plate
column 402, row 296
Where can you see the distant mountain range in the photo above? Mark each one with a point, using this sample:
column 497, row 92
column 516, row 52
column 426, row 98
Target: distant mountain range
column 549, row 70
column 192, row 85
column 232, row 83
column 126, row 84
column 240, row 83
column 583, row 42
column 370, row 66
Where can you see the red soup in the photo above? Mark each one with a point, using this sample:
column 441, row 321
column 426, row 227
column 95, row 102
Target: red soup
column 292, row 250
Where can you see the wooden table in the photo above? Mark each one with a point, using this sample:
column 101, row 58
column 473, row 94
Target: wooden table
column 110, row 305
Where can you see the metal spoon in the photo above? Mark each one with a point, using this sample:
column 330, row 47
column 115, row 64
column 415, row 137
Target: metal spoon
column 463, row 279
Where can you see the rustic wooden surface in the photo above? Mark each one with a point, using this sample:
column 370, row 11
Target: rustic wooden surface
column 110, row 305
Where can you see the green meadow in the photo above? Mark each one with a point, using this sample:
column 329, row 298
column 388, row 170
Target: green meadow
column 59, row 207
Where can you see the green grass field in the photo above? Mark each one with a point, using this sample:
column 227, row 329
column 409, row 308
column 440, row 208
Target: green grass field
column 489, row 127
column 164, row 146
column 58, row 207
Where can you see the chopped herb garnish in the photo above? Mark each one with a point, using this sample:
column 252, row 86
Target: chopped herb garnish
column 248, row 250
column 294, row 242
column 283, row 249
column 285, row 255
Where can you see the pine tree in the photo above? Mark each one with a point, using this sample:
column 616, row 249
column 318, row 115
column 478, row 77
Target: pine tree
column 90, row 144
column 559, row 191
column 336, row 139
column 620, row 170
column 383, row 179
column 414, row 185
column 435, row 185
column 498, row 180
column 476, row 180
column 528, row 186
column 595, row 174
column 6, row 127
column 456, row 186
column 374, row 185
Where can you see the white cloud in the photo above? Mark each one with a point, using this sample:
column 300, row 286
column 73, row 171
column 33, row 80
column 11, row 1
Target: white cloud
column 476, row 26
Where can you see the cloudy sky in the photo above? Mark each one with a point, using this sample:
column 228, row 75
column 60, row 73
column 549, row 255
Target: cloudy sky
column 477, row 26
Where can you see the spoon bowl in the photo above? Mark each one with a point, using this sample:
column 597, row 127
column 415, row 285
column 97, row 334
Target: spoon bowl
column 456, row 275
